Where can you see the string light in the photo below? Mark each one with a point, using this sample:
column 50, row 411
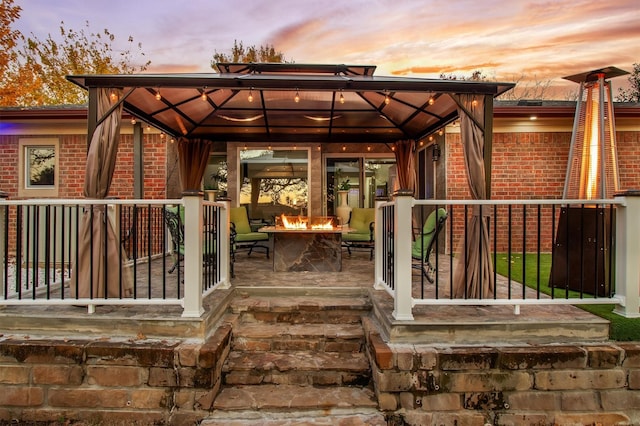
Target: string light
column 386, row 98
column 474, row 102
column 341, row 97
column 204, row 96
column 440, row 132
column 133, row 120
column 319, row 147
column 158, row 95
column 368, row 147
column 344, row 147
column 431, row 101
column 113, row 96
column 296, row 98
column 250, row 97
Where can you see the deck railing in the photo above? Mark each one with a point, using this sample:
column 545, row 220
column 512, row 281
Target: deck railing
column 38, row 252
column 522, row 233
column 39, row 242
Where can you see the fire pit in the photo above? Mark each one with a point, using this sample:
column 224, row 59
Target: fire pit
column 306, row 244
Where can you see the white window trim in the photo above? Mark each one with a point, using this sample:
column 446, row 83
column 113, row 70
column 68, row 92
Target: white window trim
column 23, row 190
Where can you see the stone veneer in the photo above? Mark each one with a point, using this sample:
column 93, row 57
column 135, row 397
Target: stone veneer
column 175, row 382
column 109, row 382
column 561, row 384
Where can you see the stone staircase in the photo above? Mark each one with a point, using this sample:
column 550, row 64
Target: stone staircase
column 297, row 360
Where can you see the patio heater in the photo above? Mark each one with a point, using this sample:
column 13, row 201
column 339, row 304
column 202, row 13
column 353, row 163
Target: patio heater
column 580, row 258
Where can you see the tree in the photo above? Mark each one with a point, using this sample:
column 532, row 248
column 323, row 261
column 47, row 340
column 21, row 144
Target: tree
column 632, row 94
column 249, row 54
column 528, row 89
column 8, row 36
column 38, row 76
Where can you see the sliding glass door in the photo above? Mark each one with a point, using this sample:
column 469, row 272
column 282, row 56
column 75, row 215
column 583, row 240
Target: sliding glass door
column 363, row 177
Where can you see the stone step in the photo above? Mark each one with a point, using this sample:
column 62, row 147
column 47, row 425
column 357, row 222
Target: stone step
column 298, row 337
column 300, row 309
column 297, row 368
column 364, row 417
column 291, row 398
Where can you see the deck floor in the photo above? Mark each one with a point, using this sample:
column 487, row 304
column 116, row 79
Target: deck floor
column 256, row 271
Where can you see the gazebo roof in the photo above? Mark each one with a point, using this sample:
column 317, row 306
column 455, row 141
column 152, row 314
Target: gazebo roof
column 291, row 102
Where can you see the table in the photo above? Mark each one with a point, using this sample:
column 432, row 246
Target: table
column 315, row 250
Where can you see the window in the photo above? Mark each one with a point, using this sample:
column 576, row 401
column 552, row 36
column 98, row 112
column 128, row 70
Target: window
column 274, row 182
column 38, row 168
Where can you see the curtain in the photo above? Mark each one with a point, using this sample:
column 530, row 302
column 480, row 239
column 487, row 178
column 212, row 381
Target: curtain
column 406, row 168
column 99, row 252
column 193, row 155
column 473, row 276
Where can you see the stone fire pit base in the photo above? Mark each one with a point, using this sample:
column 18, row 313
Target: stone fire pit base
column 307, row 251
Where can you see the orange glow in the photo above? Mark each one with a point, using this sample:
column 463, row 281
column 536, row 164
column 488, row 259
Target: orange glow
column 297, row 222
column 591, row 153
column 301, row 223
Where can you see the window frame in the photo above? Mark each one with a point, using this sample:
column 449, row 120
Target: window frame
column 24, row 190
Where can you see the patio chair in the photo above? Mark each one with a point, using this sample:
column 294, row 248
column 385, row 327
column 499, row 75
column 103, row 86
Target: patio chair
column 362, row 221
column 422, row 246
column 243, row 237
column 174, row 220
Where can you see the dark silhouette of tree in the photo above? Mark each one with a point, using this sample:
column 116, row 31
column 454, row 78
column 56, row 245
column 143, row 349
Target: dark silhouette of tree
column 632, row 94
column 242, row 54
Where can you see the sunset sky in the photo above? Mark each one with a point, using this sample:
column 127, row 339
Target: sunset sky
column 542, row 40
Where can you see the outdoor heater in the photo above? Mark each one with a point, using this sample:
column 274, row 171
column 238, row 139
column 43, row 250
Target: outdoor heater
column 581, row 250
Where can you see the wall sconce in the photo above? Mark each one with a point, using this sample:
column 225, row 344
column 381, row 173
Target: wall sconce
column 435, row 152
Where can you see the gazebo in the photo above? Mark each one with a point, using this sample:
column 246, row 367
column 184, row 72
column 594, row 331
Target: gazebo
column 285, row 103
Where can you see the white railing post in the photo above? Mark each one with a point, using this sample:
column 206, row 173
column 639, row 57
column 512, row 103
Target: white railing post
column 378, row 235
column 627, row 255
column 224, row 240
column 193, row 235
column 3, row 196
column 403, row 303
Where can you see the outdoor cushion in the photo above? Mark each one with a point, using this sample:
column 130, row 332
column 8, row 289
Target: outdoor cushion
column 360, row 221
column 240, row 218
column 420, row 247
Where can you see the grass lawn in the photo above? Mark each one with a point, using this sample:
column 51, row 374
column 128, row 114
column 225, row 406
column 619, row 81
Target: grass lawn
column 622, row 329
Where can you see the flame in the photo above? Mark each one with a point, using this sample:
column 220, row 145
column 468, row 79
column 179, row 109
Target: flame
column 326, row 225
column 299, row 222
column 295, row 222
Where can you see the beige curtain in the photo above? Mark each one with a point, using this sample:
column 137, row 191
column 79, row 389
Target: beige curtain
column 99, row 252
column 193, row 155
column 473, row 276
column 405, row 164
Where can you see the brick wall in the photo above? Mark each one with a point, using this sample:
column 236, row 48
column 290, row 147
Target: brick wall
column 529, row 166
column 142, row 382
column 535, row 385
column 72, row 160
